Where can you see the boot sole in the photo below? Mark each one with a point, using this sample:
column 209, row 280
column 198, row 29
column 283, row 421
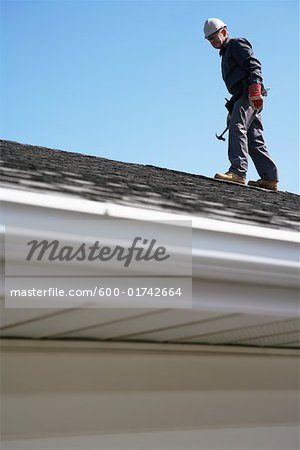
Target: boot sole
column 263, row 187
column 243, row 183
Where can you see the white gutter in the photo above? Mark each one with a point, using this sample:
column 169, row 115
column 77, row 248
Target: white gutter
column 221, row 250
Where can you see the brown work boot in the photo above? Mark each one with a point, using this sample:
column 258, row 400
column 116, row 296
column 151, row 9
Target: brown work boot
column 230, row 176
column 272, row 185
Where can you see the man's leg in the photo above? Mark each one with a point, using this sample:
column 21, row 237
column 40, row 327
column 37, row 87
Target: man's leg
column 241, row 119
column 263, row 162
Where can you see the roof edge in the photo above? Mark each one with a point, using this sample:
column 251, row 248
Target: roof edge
column 72, row 204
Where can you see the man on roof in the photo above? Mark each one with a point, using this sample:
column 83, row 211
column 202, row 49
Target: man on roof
column 242, row 74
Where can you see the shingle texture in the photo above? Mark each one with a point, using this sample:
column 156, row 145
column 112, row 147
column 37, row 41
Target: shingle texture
column 33, row 168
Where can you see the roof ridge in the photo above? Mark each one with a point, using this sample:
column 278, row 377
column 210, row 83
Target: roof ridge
column 85, row 155
column 150, row 166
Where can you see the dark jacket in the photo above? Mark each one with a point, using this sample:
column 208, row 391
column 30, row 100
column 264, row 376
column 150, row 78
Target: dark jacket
column 239, row 65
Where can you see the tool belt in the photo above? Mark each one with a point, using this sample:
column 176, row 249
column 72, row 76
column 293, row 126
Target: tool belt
column 238, row 90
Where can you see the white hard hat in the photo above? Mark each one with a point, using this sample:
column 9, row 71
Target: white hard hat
column 213, row 25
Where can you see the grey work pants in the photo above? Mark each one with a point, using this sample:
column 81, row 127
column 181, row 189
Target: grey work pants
column 246, row 138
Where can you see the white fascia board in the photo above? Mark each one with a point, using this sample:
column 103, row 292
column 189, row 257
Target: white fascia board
column 221, row 250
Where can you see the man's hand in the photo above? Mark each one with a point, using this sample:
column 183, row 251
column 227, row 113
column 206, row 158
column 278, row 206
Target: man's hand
column 255, row 98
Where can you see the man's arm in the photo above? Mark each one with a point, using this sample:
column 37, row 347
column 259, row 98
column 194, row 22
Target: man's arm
column 244, row 56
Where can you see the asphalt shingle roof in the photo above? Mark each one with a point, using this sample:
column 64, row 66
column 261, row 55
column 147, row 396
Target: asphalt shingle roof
column 33, row 168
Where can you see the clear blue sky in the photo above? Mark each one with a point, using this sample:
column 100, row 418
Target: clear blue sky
column 136, row 81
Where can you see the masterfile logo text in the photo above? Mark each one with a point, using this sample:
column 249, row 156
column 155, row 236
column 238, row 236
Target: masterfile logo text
column 140, row 250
